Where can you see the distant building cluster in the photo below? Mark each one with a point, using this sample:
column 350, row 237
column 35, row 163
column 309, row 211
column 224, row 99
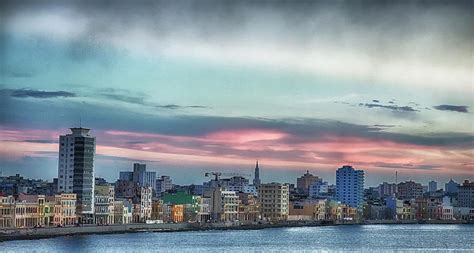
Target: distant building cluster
column 77, row 197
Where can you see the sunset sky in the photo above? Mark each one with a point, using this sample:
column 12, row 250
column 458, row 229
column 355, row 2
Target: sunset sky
column 195, row 86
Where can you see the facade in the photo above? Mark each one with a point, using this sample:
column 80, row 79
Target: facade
column 7, row 211
column 189, row 202
column 466, row 194
column 249, row 208
column 256, row 178
column 122, row 213
column 350, row 186
column 65, row 209
column 76, row 170
column 224, row 205
column 274, row 201
column 304, row 182
column 432, row 186
column 409, row 190
column 104, row 204
column 177, row 213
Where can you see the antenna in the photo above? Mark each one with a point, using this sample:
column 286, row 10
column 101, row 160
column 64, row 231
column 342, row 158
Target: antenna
column 80, row 122
column 396, row 177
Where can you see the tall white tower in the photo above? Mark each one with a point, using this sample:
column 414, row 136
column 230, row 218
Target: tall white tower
column 76, row 170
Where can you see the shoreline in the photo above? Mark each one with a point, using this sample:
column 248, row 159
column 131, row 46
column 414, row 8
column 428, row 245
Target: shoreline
column 52, row 232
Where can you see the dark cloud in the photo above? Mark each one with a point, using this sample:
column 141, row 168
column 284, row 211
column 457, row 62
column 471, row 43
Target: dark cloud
column 119, row 95
column 384, row 126
column 125, row 98
column 394, row 108
column 41, row 141
column 376, row 101
column 407, row 166
column 453, row 108
column 24, row 93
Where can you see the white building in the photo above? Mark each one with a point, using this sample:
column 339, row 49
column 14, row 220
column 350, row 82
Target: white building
column 274, row 201
column 350, row 186
column 76, row 170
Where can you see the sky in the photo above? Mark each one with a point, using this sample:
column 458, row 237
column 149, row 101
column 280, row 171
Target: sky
column 193, row 86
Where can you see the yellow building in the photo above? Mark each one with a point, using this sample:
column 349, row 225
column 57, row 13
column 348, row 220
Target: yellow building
column 7, row 211
column 65, row 209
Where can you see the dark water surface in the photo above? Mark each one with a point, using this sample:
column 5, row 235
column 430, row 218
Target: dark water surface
column 374, row 238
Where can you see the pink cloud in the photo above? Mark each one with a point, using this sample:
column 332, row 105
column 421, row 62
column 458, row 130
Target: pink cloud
column 241, row 146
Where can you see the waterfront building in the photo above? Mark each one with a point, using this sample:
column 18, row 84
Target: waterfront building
column 76, row 170
column 466, row 194
column 302, row 209
column 142, row 204
column 256, row 178
column 421, row 209
column 387, row 189
column 189, row 202
column 274, row 201
column 318, row 189
column 122, row 212
column 409, row 190
column 224, row 205
column 320, row 210
column 432, row 186
column 400, row 210
column 249, row 208
column 451, row 188
column 104, row 204
column 350, row 186
column 157, row 210
column 304, row 182
column 204, row 211
column 65, row 209
column 447, row 212
column 7, row 211
column 177, row 213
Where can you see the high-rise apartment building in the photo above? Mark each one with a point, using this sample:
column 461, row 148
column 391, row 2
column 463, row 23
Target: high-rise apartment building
column 76, row 170
column 274, row 201
column 350, row 186
column 466, row 194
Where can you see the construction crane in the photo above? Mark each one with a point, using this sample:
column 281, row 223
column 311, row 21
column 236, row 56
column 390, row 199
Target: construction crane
column 217, row 174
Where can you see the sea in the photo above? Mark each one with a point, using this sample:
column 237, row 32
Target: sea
column 347, row 238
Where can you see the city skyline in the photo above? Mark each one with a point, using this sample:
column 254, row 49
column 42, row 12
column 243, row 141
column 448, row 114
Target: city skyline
column 201, row 86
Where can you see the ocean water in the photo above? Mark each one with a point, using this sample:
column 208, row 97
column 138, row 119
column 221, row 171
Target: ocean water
column 363, row 238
